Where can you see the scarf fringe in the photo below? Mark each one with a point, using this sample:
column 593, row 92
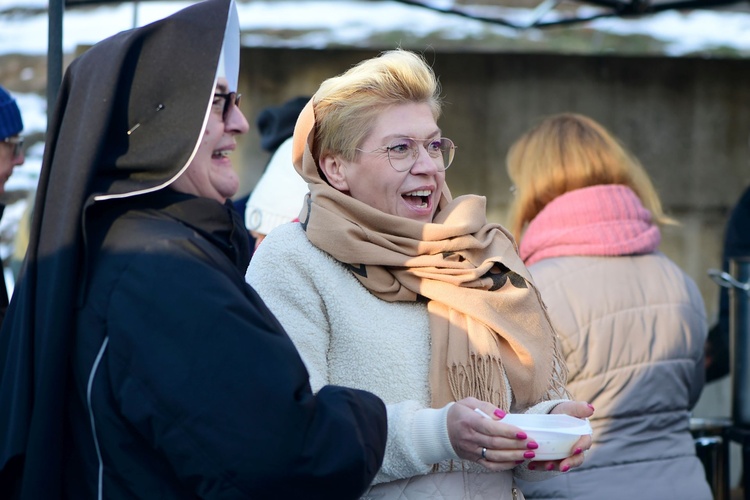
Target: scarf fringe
column 477, row 379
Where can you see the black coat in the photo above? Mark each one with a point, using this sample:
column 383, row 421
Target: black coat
column 187, row 380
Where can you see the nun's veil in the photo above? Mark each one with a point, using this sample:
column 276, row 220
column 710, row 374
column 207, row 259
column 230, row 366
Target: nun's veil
column 129, row 116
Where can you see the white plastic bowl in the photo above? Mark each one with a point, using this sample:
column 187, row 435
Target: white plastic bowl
column 554, row 433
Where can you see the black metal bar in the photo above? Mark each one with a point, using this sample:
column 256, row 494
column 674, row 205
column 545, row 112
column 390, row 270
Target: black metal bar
column 636, row 7
column 739, row 359
column 742, row 437
column 54, row 53
column 711, row 437
column 739, row 340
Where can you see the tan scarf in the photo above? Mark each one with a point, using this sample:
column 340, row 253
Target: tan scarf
column 486, row 317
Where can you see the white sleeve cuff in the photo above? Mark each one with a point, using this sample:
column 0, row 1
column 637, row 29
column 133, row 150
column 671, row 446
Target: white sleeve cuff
column 430, row 433
column 545, row 406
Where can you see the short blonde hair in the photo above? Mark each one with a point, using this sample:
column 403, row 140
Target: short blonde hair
column 569, row 151
column 347, row 105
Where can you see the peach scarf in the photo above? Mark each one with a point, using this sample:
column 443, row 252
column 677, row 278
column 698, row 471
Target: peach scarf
column 486, row 317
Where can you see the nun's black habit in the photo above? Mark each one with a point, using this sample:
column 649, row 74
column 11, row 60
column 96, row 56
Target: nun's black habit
column 134, row 360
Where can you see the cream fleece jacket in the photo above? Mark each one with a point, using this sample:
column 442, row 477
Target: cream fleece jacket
column 347, row 336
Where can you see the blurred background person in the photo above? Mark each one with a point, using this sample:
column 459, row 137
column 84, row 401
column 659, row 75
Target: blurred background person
column 277, row 197
column 388, row 283
column 11, row 142
column 277, row 194
column 275, row 125
column 631, row 322
column 11, row 156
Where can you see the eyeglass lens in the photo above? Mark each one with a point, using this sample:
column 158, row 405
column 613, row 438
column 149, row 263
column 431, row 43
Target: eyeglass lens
column 403, row 153
column 17, row 143
column 230, row 99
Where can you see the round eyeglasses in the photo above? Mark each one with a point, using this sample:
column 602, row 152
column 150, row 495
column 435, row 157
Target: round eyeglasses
column 403, row 152
column 17, row 143
column 230, row 99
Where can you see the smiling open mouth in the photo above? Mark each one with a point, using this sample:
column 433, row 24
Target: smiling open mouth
column 223, row 153
column 419, row 199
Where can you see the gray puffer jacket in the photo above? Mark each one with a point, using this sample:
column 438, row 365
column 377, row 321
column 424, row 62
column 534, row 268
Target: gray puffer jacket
column 632, row 331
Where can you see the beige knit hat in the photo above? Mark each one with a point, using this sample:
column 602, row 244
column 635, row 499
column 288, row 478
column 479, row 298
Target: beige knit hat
column 278, row 196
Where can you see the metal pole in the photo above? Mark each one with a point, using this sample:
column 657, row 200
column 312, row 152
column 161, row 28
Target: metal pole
column 739, row 336
column 54, row 53
column 712, row 447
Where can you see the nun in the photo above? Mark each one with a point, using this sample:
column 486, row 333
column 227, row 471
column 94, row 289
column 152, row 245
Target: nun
column 135, row 362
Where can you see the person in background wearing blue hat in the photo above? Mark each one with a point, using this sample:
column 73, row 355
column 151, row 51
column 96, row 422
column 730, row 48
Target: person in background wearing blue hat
column 11, row 147
column 11, row 155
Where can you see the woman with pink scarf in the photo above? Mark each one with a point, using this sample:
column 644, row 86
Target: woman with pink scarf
column 631, row 322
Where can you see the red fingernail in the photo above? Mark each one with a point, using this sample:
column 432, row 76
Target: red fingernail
column 577, row 451
column 521, row 435
column 499, row 413
column 532, row 445
column 529, row 454
column 565, row 468
column 550, row 466
column 590, row 406
column 532, row 466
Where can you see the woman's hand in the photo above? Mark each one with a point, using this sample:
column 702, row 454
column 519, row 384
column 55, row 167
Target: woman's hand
column 469, row 432
column 505, row 446
column 578, row 409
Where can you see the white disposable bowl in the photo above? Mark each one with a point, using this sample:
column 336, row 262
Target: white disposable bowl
column 554, row 433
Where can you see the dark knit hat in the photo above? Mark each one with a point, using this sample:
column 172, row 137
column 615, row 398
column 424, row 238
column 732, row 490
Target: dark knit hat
column 10, row 116
column 276, row 123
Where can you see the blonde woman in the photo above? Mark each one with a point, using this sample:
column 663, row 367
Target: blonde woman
column 388, row 283
column 632, row 324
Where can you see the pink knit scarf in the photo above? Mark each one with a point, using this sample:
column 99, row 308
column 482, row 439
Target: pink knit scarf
column 605, row 220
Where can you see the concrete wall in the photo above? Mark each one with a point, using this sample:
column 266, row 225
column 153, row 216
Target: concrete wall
column 687, row 120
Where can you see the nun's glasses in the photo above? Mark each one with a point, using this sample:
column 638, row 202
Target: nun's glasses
column 230, row 99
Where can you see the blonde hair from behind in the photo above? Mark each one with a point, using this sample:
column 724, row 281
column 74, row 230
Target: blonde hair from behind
column 569, row 151
column 347, row 105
